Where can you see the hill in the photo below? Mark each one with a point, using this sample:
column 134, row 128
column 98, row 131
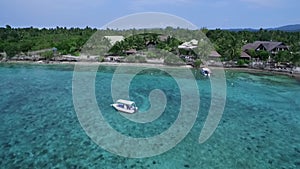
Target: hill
column 286, row 28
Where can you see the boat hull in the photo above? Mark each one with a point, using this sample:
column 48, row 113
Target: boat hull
column 205, row 72
column 123, row 109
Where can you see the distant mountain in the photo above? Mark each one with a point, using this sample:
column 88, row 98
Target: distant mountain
column 287, row 28
column 242, row 29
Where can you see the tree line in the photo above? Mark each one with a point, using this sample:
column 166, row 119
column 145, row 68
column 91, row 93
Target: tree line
column 229, row 43
column 15, row 41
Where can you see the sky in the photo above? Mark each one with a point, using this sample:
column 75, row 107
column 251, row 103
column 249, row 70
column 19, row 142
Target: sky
column 211, row 14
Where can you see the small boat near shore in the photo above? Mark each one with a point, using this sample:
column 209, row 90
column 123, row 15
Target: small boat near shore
column 205, row 72
column 125, row 106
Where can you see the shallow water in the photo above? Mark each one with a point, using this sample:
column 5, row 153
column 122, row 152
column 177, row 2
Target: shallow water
column 260, row 126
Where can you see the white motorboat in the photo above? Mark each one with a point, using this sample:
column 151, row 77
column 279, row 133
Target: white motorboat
column 125, row 106
column 205, row 71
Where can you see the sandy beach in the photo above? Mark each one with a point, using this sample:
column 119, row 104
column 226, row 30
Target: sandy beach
column 295, row 75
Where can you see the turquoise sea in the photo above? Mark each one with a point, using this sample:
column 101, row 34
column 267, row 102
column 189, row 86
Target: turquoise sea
column 39, row 128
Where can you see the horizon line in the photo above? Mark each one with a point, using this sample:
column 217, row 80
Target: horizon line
column 99, row 28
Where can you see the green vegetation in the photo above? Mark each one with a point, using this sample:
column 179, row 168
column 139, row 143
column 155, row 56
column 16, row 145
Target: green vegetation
column 284, row 56
column 143, row 41
column 197, row 63
column 153, row 55
column 229, row 44
column 48, row 55
column 242, row 62
column 262, row 54
column 101, row 59
column 68, row 41
column 15, row 41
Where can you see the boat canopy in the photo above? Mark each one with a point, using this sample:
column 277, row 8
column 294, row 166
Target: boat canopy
column 206, row 69
column 125, row 102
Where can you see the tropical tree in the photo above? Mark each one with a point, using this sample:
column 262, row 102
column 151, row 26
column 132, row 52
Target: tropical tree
column 283, row 56
column 197, row 63
column 262, row 54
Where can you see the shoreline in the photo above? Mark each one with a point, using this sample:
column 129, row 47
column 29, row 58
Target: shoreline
column 295, row 75
column 99, row 63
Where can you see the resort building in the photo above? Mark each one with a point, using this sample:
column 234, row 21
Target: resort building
column 214, row 59
column 114, row 39
column 245, row 56
column 269, row 46
column 189, row 45
column 163, row 37
column 130, row 52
